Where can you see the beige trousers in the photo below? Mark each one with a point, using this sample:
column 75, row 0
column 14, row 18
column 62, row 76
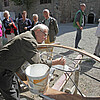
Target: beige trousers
column 49, row 50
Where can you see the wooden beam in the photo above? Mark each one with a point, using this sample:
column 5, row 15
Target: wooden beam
column 70, row 48
column 64, row 78
column 58, row 95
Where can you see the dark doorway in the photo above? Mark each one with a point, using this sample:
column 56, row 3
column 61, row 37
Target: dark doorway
column 91, row 18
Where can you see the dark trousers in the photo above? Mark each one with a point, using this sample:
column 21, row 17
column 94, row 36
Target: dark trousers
column 78, row 37
column 9, row 85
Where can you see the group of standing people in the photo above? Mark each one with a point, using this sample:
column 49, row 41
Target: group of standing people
column 25, row 24
column 22, row 48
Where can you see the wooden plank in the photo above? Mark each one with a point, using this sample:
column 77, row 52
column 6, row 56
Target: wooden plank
column 58, row 95
column 70, row 48
column 64, row 78
column 56, row 43
column 60, row 82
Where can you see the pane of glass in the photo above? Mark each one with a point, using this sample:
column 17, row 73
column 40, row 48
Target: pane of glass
column 6, row 3
column 41, row 1
column 49, row 1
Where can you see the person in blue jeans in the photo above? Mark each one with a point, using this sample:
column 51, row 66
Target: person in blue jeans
column 79, row 22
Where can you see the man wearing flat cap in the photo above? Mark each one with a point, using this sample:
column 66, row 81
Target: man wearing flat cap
column 79, row 22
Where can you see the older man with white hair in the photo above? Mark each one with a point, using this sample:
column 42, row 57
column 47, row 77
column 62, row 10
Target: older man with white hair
column 21, row 48
column 53, row 28
column 35, row 20
column 52, row 25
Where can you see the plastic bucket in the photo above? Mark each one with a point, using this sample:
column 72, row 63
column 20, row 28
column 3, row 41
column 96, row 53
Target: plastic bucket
column 37, row 77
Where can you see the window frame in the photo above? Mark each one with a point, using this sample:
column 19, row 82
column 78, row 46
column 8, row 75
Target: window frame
column 45, row 1
column 6, row 3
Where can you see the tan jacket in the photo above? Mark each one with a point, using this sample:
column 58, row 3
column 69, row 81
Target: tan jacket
column 21, row 48
column 53, row 29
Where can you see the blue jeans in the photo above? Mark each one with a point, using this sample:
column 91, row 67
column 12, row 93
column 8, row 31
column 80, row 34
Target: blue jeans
column 78, row 37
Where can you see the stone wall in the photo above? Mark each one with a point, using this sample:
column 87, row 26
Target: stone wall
column 37, row 8
column 13, row 8
column 63, row 10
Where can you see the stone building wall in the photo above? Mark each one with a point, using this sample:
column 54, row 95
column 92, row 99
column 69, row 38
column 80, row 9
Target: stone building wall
column 37, row 8
column 0, row 5
column 13, row 8
column 93, row 6
column 63, row 10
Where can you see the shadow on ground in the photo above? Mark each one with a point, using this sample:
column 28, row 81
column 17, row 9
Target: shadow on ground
column 67, row 53
column 86, row 66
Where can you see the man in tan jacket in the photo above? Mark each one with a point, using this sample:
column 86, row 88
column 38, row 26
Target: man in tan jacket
column 53, row 28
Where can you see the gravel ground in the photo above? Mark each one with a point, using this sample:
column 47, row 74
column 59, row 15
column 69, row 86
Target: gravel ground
column 89, row 80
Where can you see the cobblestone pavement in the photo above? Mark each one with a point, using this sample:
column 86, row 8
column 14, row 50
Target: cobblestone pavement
column 89, row 81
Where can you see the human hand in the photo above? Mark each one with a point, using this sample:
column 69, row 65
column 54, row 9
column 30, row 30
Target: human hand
column 59, row 61
column 11, row 23
column 81, row 28
column 25, row 28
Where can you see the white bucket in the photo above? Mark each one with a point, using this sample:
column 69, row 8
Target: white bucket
column 37, row 76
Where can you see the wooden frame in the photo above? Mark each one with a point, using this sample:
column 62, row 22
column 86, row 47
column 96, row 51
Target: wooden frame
column 64, row 78
column 55, row 92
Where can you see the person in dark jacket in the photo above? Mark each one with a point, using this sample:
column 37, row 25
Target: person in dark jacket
column 35, row 20
column 24, row 24
column 21, row 48
column 9, row 26
column 79, row 23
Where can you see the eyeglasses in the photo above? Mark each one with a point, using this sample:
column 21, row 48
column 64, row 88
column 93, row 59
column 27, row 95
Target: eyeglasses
column 44, row 33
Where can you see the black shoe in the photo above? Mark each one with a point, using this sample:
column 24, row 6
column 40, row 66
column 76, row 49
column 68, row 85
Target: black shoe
column 96, row 55
column 79, row 48
column 76, row 47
